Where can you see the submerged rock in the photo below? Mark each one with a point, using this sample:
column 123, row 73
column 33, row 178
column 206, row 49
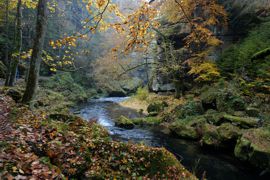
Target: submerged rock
column 254, row 147
column 124, row 122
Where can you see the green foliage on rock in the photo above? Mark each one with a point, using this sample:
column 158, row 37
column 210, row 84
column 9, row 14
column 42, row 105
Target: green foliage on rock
column 189, row 128
column 254, row 147
column 156, row 107
column 147, row 121
column 65, row 84
column 124, row 122
column 239, row 59
column 141, row 93
column 223, row 97
column 191, row 108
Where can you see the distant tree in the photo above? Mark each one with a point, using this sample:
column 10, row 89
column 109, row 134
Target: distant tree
column 204, row 18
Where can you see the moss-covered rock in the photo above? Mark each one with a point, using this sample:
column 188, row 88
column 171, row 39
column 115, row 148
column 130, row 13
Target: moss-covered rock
column 214, row 117
column 223, row 136
column 124, row 122
column 210, row 135
column 254, row 147
column 15, row 94
column 156, row 107
column 64, row 83
column 252, row 111
column 147, row 121
column 228, row 132
column 224, row 98
column 243, row 122
column 191, row 108
column 189, row 128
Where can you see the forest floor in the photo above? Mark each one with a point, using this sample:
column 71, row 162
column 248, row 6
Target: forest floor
column 39, row 144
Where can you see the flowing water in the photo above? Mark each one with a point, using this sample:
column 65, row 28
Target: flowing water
column 216, row 165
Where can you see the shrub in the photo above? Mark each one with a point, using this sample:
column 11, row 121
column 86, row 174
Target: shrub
column 239, row 59
column 142, row 93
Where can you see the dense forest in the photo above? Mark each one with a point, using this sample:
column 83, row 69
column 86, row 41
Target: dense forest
column 135, row 89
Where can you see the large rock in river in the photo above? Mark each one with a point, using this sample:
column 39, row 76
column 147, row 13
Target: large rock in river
column 254, row 147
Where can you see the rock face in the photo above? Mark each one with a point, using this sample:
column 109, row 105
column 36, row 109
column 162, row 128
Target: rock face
column 254, row 147
column 243, row 15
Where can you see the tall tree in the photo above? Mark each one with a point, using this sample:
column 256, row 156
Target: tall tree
column 33, row 75
column 7, row 32
column 18, row 41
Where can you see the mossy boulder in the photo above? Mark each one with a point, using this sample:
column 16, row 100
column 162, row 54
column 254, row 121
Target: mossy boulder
column 228, row 132
column 124, row 122
column 254, row 147
column 214, row 117
column 252, row 111
column 191, row 108
column 243, row 122
column 224, row 98
column 156, row 107
column 65, row 84
column 147, row 121
column 210, row 135
column 223, row 136
column 15, row 94
column 189, row 128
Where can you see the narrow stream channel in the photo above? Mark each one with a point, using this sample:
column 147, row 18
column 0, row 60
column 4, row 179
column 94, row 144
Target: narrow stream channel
column 217, row 166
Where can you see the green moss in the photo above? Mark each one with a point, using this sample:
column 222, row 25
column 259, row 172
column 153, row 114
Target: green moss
column 156, row 107
column 191, row 108
column 147, row 121
column 239, row 59
column 225, row 97
column 214, row 117
column 210, row 135
column 124, row 122
column 189, row 128
column 142, row 94
column 64, row 83
column 254, row 146
column 243, row 122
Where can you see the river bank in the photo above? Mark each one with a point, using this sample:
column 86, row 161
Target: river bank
column 39, row 143
column 214, row 165
column 218, row 119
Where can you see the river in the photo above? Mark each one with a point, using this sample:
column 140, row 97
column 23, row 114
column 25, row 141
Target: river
column 217, row 165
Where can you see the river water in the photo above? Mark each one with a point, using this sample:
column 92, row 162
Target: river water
column 216, row 165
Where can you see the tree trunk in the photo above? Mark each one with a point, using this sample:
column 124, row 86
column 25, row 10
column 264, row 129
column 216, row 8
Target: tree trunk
column 18, row 39
column 32, row 81
column 7, row 62
column 7, row 34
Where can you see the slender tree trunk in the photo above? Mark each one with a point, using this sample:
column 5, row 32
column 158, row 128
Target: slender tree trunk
column 15, row 62
column 7, row 62
column 32, row 81
column 7, row 33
